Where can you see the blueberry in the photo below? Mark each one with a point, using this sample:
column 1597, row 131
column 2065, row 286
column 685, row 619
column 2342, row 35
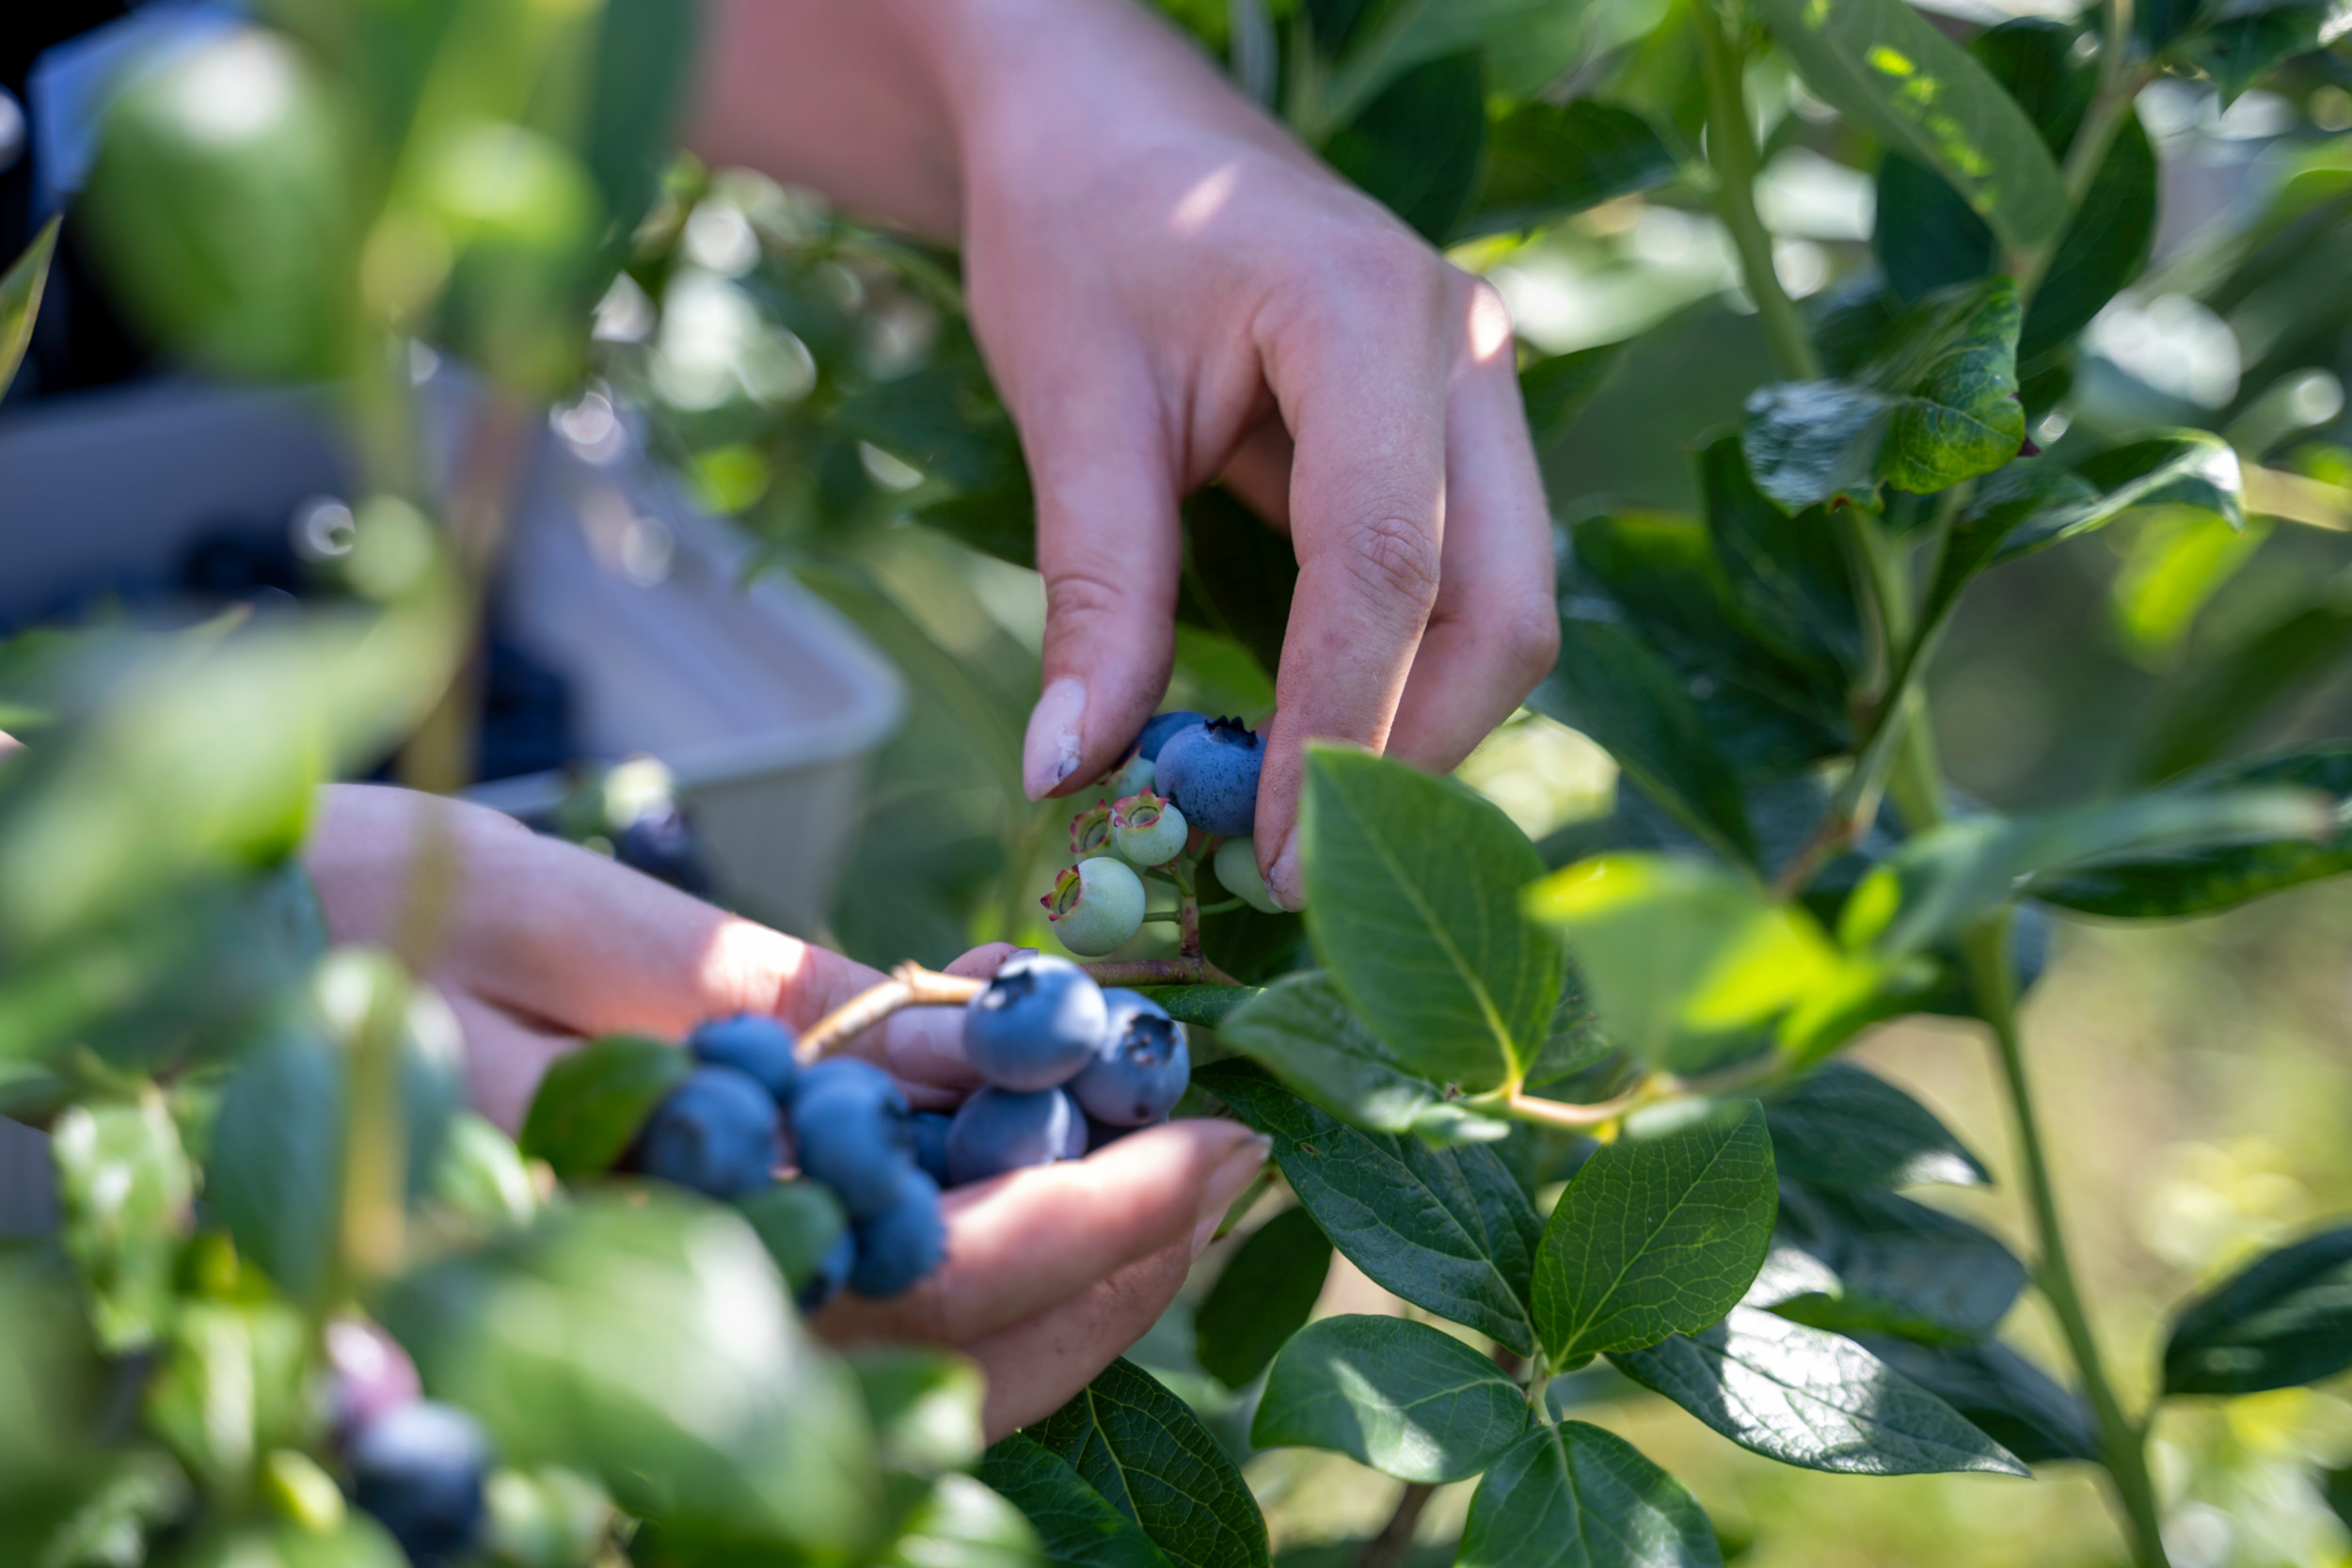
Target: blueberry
column 1090, row 831
column 1142, row 1068
column 751, row 1043
column 661, row 846
column 419, row 1469
column 1101, row 1134
column 832, row 1272
column 931, row 1144
column 851, row 1131
column 1074, row 1146
column 1096, row 906
column 1002, row 1129
column 1147, row 829
column 1131, row 777
column 716, row 1133
column 1038, row 1023
column 1210, row 772
column 1157, row 728
column 904, row 1241
column 372, row 1374
column 1237, row 863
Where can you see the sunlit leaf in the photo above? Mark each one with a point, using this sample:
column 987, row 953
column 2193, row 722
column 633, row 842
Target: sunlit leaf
column 1399, row 1396
column 1545, row 161
column 20, row 299
column 1572, row 1495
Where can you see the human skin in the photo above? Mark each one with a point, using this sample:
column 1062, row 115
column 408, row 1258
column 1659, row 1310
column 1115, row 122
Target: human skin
column 1050, row 1274
column 1168, row 289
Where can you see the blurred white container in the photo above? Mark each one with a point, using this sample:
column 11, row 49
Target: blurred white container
column 765, row 704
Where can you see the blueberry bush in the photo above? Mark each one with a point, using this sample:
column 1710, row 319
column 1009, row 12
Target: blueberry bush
column 1577, row 1098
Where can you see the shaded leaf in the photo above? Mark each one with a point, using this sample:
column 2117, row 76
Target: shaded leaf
column 590, row 1104
column 1881, row 62
column 1416, row 146
column 1261, row 1297
column 1786, row 574
column 2198, row 881
column 1303, row 1029
column 1545, row 161
column 1239, row 574
column 797, row 1222
column 1414, row 903
column 2250, row 38
column 1385, row 38
column 2284, row 1320
column 2006, row 1397
column 1399, row 1396
column 1446, row 1229
column 1556, row 388
column 20, row 299
column 124, row 1186
column 1078, row 1524
column 2220, row 698
column 961, row 1524
column 1873, row 1262
column 1209, row 1007
column 1143, row 1448
column 1575, row 1496
column 1656, row 1236
column 1936, row 404
column 1845, row 1129
column 923, row 1405
column 1812, row 1400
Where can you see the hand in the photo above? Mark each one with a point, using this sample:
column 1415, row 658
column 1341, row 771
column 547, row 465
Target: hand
column 1051, row 1273
column 1169, row 290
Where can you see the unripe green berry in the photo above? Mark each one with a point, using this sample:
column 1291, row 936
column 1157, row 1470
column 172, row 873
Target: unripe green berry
column 1096, row 906
column 1147, row 829
column 1133, row 778
column 1236, row 866
column 1090, row 831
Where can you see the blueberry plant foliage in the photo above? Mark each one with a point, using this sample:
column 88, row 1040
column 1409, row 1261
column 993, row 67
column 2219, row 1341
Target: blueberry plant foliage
column 1580, row 1099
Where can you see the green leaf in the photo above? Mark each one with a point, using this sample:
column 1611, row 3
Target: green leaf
column 1656, row 1236
column 2173, row 564
column 1786, row 574
column 1416, row 146
column 798, row 1222
column 1845, row 1129
column 2005, row 1395
column 1208, row 1006
column 1447, row 1229
column 1303, row 1029
column 1936, row 404
column 1079, row 1525
column 1392, row 36
column 1545, row 161
column 1688, row 965
column 2251, row 36
column 1396, row 1395
column 1875, row 1262
column 124, row 1186
column 2284, row 1320
column 232, row 1381
column 644, row 1339
column 1238, row 575
column 481, row 1177
column 1609, row 685
column 1555, row 389
column 2222, row 696
column 923, row 1405
column 1927, row 236
column 1143, row 1448
column 961, row 1524
column 1575, row 1496
column 942, row 419
column 1941, row 882
column 1882, row 63
column 1413, row 904
column 2198, row 881
column 1812, row 1400
column 20, row 299
column 590, row 1104
column 1261, row 1297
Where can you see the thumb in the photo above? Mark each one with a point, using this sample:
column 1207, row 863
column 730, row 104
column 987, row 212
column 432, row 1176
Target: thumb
column 1111, row 545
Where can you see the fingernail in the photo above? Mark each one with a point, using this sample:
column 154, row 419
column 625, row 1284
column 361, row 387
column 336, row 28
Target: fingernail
column 1050, row 755
column 1226, row 1184
column 1282, row 881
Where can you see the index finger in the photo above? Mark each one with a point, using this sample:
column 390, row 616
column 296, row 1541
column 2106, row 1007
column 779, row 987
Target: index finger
column 1359, row 373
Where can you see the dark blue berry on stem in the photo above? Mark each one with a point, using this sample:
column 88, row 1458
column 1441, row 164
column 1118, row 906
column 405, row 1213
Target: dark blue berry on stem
column 419, row 1470
column 832, row 1272
column 1210, row 772
column 851, row 1130
column 1157, row 728
column 1002, row 1129
column 716, row 1133
column 902, row 1243
column 750, row 1043
column 1038, row 1023
column 931, row 1144
column 1142, row 1068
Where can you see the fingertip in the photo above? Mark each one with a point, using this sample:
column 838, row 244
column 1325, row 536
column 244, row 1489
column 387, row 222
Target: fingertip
column 1054, row 744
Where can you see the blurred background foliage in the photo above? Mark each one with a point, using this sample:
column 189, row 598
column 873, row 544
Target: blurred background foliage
column 818, row 381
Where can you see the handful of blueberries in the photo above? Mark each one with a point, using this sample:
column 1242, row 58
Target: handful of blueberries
column 1066, row 1067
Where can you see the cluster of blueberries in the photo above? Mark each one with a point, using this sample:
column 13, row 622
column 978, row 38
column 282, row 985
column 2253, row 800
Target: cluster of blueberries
column 1185, row 773
column 416, row 1465
column 1066, row 1067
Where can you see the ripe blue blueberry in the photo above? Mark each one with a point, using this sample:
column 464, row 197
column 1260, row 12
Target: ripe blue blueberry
column 419, row 1469
column 1036, row 1024
column 1157, row 728
column 1237, row 863
column 1147, row 829
column 716, row 1133
column 1001, row 1130
column 1096, row 906
column 1074, row 1146
column 851, row 1131
column 1210, row 772
column 753, row 1043
column 931, row 1144
column 832, row 1272
column 904, row 1241
column 1142, row 1068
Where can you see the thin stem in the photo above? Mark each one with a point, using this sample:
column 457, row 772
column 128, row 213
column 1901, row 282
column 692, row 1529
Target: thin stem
column 1731, row 150
column 1187, row 910
column 1390, row 1548
column 1160, row 972
column 909, row 986
column 2120, row 81
column 2122, row 1445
